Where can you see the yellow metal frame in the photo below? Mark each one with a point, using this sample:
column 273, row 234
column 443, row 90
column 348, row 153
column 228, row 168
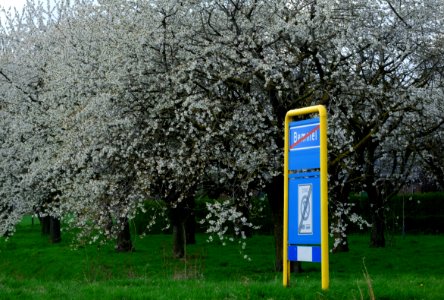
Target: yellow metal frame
column 320, row 109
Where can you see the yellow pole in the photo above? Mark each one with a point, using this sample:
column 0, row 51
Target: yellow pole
column 324, row 198
column 286, row 263
column 320, row 109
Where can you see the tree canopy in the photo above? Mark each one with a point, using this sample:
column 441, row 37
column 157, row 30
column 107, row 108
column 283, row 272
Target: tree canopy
column 105, row 104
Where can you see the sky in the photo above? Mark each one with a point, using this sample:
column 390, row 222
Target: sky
column 13, row 3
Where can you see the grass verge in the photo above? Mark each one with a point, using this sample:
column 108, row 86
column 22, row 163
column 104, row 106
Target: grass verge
column 31, row 268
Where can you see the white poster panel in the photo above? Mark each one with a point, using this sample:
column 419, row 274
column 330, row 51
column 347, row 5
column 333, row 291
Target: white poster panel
column 305, row 208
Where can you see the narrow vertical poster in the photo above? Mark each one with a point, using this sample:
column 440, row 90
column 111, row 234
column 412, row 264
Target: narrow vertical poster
column 305, row 211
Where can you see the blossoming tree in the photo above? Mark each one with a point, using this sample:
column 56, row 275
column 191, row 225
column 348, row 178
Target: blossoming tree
column 116, row 102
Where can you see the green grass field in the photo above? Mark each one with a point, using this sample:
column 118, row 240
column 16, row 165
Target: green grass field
column 410, row 267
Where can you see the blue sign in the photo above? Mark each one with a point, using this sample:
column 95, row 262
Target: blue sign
column 304, row 253
column 304, row 210
column 304, row 145
column 306, row 191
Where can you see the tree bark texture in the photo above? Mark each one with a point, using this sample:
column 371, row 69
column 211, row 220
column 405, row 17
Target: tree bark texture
column 376, row 200
column 45, row 223
column 377, row 235
column 54, row 230
column 183, row 223
column 190, row 223
column 275, row 195
column 179, row 240
column 124, row 243
column 178, row 217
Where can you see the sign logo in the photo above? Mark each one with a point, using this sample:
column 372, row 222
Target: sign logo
column 305, row 208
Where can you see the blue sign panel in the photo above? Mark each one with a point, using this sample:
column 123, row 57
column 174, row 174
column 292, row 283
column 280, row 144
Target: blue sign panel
column 304, row 139
column 304, row 211
column 304, row 253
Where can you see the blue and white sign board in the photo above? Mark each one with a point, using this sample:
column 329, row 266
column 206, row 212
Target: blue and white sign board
column 306, row 191
column 304, row 145
column 304, row 253
column 304, row 212
column 305, row 209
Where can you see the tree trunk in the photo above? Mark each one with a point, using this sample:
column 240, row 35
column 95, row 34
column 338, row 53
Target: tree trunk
column 181, row 215
column 377, row 238
column 45, row 222
column 54, row 230
column 275, row 195
column 278, row 243
column 190, row 223
column 179, row 239
column 178, row 218
column 124, row 243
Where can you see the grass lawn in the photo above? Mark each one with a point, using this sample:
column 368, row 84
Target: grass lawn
column 410, row 267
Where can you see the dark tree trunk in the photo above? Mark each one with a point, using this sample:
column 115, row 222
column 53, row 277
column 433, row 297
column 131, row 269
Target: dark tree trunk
column 45, row 222
column 54, row 230
column 376, row 201
column 377, row 235
column 275, row 195
column 179, row 215
column 190, row 223
column 50, row 225
column 179, row 239
column 178, row 219
column 124, row 243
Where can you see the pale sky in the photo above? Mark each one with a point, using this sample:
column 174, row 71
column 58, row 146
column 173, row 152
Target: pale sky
column 13, row 3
